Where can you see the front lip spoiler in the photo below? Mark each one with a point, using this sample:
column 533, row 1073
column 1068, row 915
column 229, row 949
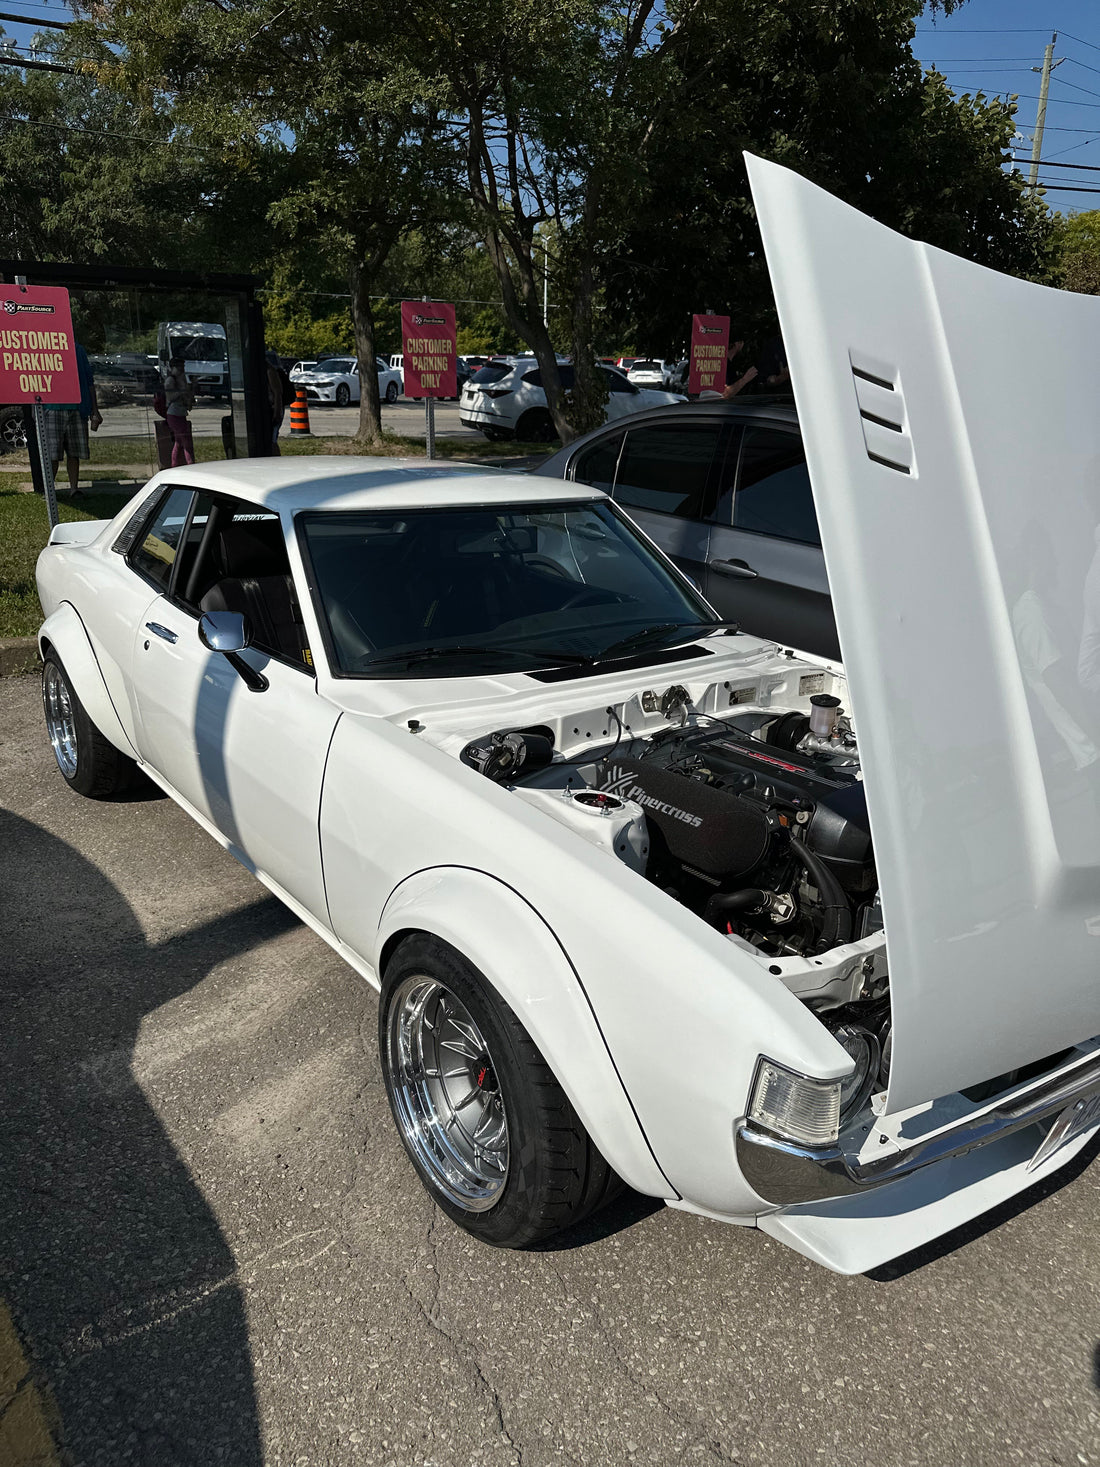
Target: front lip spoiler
column 783, row 1172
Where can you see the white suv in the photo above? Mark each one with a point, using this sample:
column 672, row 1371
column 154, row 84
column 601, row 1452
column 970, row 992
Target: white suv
column 507, row 400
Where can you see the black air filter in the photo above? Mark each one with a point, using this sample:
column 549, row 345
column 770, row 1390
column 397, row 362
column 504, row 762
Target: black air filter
column 712, row 830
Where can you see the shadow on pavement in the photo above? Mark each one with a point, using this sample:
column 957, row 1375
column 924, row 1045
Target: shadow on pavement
column 118, row 1275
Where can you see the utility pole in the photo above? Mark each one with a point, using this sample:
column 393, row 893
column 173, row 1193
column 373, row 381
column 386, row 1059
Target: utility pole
column 1049, row 64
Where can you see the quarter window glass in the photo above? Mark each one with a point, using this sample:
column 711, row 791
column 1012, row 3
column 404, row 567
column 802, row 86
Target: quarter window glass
column 565, row 376
column 155, row 555
column 595, row 465
column 667, row 468
column 616, row 382
column 773, row 494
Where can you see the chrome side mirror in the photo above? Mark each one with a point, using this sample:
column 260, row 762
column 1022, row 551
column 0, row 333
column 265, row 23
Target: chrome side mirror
column 224, row 631
column 229, row 632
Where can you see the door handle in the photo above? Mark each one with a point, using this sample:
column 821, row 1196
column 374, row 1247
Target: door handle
column 734, row 568
column 161, row 631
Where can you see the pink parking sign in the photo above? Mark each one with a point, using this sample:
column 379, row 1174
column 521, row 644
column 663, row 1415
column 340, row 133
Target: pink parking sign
column 710, row 336
column 37, row 349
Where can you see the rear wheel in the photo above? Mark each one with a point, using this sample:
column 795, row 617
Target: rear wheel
column 13, row 432
column 536, row 426
column 90, row 763
column 488, row 1128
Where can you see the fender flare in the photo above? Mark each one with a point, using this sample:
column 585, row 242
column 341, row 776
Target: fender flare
column 518, row 953
column 64, row 631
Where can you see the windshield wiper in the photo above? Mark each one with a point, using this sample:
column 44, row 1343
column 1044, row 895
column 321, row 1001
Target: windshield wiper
column 646, row 634
column 438, row 654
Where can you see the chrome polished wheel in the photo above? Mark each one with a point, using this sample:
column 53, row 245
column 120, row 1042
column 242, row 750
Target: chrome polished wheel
column 60, row 719
column 446, row 1093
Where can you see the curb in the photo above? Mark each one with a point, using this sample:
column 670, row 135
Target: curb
column 18, row 654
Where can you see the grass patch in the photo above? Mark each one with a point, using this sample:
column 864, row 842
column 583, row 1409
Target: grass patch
column 24, row 529
column 393, row 445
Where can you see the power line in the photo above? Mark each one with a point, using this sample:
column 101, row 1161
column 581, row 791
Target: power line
column 1074, row 62
column 1065, row 188
column 21, row 61
column 1082, row 167
column 1063, row 83
column 1070, row 37
column 99, row 132
column 57, row 25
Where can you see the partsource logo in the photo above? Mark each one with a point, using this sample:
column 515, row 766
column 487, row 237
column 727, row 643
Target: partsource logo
column 17, row 308
column 427, row 320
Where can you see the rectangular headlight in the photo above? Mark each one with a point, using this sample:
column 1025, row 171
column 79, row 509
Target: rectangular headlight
column 795, row 1106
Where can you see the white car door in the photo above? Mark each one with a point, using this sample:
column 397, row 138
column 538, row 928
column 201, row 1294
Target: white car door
column 248, row 761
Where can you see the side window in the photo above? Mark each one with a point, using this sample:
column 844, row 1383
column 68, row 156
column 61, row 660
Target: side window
column 773, row 490
column 243, row 566
column 668, row 468
column 154, row 553
column 726, row 477
column 565, row 376
column 616, row 382
column 595, row 464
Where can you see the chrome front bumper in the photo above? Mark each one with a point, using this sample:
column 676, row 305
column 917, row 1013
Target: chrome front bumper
column 783, row 1172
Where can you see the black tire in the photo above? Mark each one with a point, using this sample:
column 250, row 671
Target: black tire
column 13, row 431
column 89, row 763
column 536, row 426
column 343, row 395
column 391, row 392
column 555, row 1175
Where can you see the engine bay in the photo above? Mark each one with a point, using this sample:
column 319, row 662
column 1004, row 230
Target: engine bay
column 752, row 815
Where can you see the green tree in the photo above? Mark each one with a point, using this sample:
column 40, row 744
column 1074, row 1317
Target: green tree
column 355, row 132
column 83, row 181
column 835, row 92
column 1076, row 261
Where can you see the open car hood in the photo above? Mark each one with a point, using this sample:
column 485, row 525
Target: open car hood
column 953, row 437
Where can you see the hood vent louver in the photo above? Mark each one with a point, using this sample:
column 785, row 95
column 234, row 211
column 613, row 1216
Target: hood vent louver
column 882, row 415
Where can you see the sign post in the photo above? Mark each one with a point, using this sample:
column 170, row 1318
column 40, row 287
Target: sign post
column 431, row 360
column 710, row 339
column 38, row 360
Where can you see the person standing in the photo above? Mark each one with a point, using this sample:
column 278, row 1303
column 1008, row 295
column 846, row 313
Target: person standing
column 179, row 400
column 67, row 425
column 278, row 395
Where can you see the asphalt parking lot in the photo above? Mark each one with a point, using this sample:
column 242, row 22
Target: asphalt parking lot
column 214, row 1251
column 136, row 420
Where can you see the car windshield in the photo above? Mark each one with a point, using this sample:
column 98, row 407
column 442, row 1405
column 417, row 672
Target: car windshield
column 456, row 592
column 646, row 367
column 198, row 348
column 337, row 367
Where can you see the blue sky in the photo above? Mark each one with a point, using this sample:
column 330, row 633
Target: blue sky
column 987, row 45
column 991, row 45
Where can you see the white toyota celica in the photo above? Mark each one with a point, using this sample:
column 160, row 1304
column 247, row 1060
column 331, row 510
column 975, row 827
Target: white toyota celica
column 647, row 899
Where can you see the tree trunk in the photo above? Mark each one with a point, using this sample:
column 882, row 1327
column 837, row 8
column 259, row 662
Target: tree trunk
column 362, row 319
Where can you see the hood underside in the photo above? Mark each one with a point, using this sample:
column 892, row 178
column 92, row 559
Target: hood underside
column 952, row 433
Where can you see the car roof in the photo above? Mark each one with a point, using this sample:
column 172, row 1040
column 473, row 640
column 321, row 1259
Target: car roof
column 761, row 409
column 290, row 484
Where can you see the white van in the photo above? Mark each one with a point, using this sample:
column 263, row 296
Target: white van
column 205, row 353
column 397, row 364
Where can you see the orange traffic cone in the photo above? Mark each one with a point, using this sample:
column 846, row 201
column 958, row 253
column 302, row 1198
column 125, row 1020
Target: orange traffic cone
column 299, row 416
